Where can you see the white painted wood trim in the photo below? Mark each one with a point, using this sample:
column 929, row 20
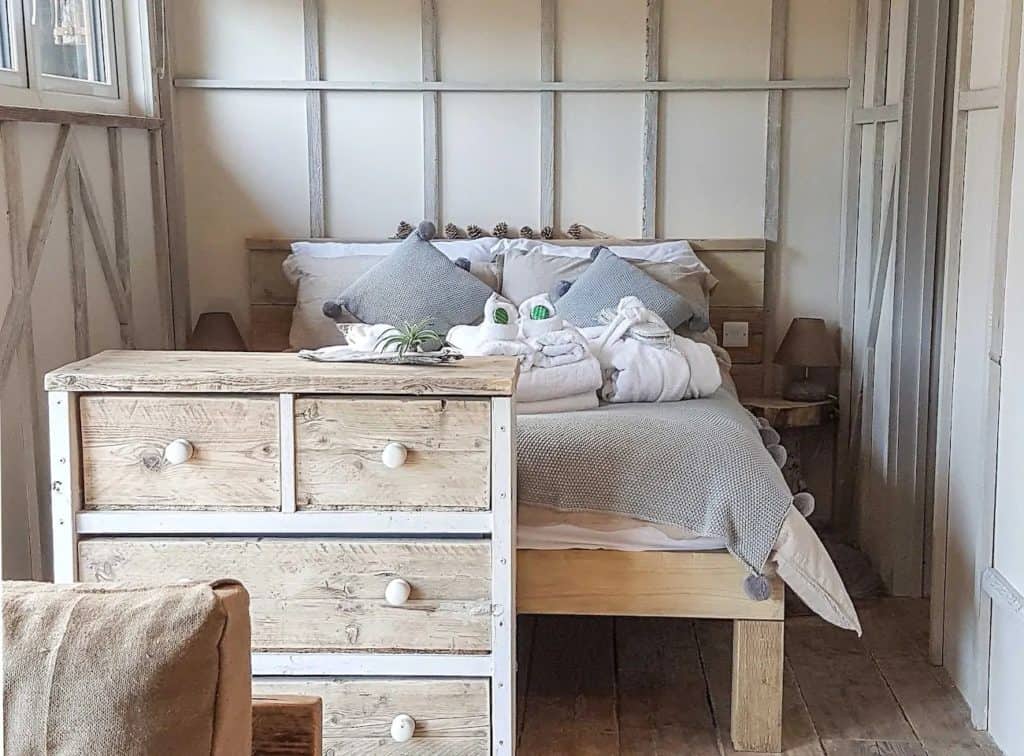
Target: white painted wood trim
column 981, row 99
column 652, row 106
column 548, row 116
column 692, row 85
column 291, row 667
column 1005, row 159
column 1002, row 592
column 284, row 523
column 878, row 114
column 66, row 484
column 843, row 482
column 431, row 114
column 503, row 575
column 286, row 451
column 314, row 116
column 947, row 334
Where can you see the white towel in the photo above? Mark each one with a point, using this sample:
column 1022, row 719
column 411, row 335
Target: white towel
column 638, row 371
column 562, row 347
column 539, row 383
column 585, row 401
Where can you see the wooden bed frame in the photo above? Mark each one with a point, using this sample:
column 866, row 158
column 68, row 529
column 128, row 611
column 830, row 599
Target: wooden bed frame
column 704, row 585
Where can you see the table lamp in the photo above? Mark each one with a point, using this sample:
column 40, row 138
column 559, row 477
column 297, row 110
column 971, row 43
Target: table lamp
column 216, row 332
column 806, row 345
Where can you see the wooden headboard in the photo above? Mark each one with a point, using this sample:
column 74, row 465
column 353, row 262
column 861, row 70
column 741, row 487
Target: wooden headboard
column 738, row 264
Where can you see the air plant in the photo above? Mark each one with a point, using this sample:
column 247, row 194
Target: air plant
column 409, row 337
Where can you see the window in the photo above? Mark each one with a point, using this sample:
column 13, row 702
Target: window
column 68, row 47
column 12, row 57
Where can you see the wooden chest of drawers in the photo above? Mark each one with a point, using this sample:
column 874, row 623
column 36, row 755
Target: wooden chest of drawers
column 368, row 510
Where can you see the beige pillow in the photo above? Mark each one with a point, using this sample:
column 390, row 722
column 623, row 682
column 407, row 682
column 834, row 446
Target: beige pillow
column 128, row 669
column 525, row 273
column 318, row 279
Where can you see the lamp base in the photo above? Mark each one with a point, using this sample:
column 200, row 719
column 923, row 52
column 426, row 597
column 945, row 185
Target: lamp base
column 805, row 391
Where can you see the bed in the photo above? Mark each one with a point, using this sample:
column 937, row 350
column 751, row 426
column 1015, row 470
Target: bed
column 591, row 564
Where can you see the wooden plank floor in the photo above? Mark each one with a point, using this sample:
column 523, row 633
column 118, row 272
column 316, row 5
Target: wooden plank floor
column 660, row 687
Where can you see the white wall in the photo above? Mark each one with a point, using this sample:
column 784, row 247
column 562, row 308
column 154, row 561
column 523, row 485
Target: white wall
column 244, row 153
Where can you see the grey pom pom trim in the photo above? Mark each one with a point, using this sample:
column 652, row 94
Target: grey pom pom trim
column 334, row 310
column 804, row 503
column 560, row 289
column 757, row 587
column 762, row 423
column 770, row 436
column 462, row 262
column 426, row 230
column 779, row 454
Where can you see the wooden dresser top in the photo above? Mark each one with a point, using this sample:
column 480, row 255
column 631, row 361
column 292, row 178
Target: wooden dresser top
column 272, row 373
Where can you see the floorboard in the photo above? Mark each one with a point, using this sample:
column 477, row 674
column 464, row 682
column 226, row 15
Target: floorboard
column 661, row 687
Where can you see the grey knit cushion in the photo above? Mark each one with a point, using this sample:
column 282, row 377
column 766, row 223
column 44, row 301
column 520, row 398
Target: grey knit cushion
column 416, row 282
column 610, row 278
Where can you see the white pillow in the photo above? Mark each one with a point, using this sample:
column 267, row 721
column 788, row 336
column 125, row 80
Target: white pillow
column 474, row 250
column 669, row 251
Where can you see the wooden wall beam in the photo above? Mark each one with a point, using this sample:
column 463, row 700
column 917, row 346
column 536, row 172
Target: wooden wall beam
column 122, row 253
column 173, row 195
column 25, row 351
column 76, row 247
column 431, row 114
column 161, row 248
column 77, row 118
column 652, row 72
column 842, row 480
column 427, row 85
column 314, row 116
column 18, row 309
column 548, row 115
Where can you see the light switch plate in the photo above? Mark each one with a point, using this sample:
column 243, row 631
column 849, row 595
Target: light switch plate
column 736, row 334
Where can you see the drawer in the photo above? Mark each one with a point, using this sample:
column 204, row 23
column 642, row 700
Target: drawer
column 451, row 716
column 231, row 463
column 442, row 448
column 326, row 594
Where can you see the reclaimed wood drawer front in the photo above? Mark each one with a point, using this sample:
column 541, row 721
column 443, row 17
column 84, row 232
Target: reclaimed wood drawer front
column 451, row 716
column 326, row 594
column 232, row 463
column 340, row 446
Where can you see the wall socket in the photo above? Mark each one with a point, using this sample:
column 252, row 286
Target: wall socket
column 736, row 333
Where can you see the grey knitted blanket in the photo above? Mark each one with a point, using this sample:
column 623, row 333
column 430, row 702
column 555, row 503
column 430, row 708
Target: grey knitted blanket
column 699, row 464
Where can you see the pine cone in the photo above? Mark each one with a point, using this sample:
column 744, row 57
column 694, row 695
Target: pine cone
column 474, row 232
column 547, row 233
column 451, row 231
column 526, row 232
column 501, row 230
column 575, row 231
column 403, row 230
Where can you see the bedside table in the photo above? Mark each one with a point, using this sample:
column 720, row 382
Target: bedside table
column 792, row 420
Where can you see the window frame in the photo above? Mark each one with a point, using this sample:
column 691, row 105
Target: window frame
column 18, row 76
column 64, row 93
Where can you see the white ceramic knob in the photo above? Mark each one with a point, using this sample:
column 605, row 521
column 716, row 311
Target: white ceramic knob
column 178, row 452
column 394, row 455
column 402, row 728
column 397, row 592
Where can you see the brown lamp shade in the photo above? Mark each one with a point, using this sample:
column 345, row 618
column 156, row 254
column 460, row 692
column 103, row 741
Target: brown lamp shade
column 216, row 332
column 807, row 344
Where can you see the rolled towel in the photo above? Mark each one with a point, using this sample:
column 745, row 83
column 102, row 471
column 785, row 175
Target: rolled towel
column 585, row 401
column 537, row 316
column 501, row 321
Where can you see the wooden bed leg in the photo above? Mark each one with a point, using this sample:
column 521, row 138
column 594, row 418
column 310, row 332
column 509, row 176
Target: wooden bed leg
column 757, row 685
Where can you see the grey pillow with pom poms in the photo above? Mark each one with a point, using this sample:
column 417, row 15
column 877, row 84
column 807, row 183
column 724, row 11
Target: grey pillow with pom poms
column 414, row 283
column 610, row 278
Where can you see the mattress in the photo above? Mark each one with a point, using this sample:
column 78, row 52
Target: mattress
column 546, row 529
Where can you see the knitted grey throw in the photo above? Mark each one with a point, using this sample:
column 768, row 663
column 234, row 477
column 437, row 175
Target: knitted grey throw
column 698, row 464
